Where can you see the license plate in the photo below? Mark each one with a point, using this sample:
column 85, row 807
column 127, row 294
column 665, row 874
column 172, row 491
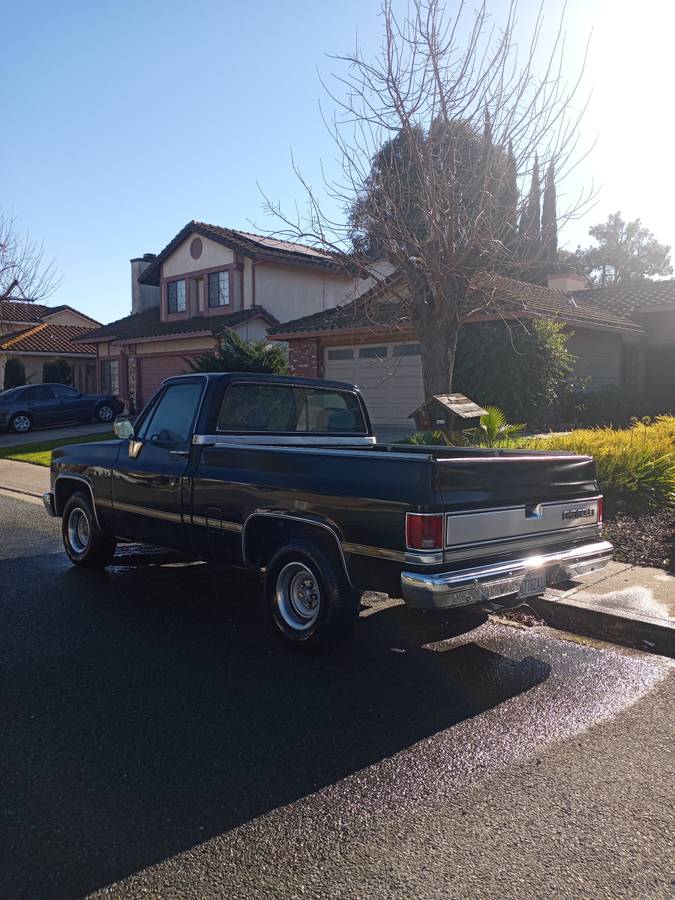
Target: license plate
column 533, row 584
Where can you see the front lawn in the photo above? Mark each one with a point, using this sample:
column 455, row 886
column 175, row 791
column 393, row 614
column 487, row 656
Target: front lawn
column 40, row 454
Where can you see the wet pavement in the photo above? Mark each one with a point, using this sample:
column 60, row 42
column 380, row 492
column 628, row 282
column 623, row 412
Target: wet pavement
column 158, row 739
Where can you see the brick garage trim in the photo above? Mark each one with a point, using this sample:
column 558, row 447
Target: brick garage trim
column 304, row 358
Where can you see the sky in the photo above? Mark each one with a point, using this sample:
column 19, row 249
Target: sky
column 125, row 120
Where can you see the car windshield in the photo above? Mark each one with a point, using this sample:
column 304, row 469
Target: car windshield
column 9, row 394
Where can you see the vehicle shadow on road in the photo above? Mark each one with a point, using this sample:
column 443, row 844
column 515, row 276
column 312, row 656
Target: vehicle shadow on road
column 148, row 710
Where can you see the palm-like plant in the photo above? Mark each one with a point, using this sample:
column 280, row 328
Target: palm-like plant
column 238, row 355
column 494, row 430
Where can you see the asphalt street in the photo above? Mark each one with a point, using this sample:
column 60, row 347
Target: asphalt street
column 158, row 741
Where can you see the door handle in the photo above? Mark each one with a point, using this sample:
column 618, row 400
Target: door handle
column 179, row 452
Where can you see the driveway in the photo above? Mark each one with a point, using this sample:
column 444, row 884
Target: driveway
column 37, row 435
column 159, row 741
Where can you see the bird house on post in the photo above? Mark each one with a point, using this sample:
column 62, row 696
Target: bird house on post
column 449, row 413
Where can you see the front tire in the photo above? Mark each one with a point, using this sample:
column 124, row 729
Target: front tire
column 105, row 413
column 310, row 601
column 21, row 423
column 84, row 542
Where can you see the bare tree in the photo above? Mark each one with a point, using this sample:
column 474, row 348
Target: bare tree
column 442, row 138
column 24, row 272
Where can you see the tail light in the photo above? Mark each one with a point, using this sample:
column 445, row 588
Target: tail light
column 424, row 532
column 600, row 509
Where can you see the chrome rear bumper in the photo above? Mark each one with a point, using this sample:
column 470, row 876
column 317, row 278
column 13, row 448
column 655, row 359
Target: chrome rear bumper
column 483, row 584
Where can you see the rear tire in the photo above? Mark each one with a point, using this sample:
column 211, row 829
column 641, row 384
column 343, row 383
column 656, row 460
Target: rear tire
column 105, row 413
column 310, row 601
column 84, row 542
column 21, row 423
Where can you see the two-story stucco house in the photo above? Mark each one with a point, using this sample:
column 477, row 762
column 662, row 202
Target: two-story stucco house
column 37, row 334
column 206, row 281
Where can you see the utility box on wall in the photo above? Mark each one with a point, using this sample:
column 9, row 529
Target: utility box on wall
column 449, row 413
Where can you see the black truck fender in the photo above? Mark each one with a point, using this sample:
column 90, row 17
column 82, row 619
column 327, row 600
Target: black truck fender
column 264, row 531
column 67, row 485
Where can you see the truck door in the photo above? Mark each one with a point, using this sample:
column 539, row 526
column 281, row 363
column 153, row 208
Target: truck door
column 147, row 481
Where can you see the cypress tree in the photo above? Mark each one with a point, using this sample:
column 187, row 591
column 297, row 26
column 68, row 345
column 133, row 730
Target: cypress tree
column 549, row 224
column 532, row 212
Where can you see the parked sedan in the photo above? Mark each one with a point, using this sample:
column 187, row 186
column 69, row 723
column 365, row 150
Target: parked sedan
column 23, row 408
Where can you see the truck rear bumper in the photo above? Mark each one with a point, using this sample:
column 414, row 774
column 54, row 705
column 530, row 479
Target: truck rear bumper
column 483, row 584
column 48, row 500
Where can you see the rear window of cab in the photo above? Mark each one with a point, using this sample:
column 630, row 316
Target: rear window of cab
column 285, row 408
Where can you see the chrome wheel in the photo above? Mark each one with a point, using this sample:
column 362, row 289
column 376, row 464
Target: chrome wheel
column 79, row 530
column 298, row 597
column 105, row 413
column 21, row 424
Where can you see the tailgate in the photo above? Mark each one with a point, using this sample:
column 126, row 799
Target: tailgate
column 531, row 502
column 510, row 478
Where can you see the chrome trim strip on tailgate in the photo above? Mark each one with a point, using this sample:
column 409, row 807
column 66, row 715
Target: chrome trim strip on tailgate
column 521, row 544
column 479, row 526
column 481, row 584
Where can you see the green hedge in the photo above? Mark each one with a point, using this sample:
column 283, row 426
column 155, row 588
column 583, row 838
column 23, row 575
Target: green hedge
column 636, row 465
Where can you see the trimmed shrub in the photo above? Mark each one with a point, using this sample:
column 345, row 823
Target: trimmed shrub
column 522, row 367
column 636, row 465
column 424, row 438
column 15, row 373
column 57, row 371
column 610, row 405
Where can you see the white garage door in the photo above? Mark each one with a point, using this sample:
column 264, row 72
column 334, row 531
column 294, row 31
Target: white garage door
column 389, row 376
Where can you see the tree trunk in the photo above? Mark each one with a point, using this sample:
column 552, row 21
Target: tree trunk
column 437, row 326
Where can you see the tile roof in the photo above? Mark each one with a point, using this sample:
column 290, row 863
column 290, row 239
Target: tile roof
column 270, row 248
column 46, row 338
column 378, row 308
column 627, row 299
column 22, row 311
column 147, row 324
column 18, row 311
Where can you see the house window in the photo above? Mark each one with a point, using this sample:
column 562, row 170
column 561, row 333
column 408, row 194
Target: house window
column 175, row 293
column 110, row 376
column 373, row 353
column 219, row 289
column 406, row 350
column 341, row 353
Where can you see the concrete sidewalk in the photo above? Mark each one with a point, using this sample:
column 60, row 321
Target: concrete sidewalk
column 631, row 605
column 23, row 478
column 62, row 432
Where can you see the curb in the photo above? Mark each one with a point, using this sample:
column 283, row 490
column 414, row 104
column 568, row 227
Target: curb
column 15, row 490
column 640, row 632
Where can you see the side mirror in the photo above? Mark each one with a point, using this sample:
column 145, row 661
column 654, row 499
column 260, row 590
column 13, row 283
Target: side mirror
column 124, row 428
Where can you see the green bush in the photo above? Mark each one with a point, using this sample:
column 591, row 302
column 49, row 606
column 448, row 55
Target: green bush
column 523, row 367
column 424, row 438
column 611, row 405
column 15, row 373
column 636, row 465
column 237, row 355
column 57, row 371
column 494, row 430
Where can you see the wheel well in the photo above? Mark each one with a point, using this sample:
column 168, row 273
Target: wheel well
column 65, row 488
column 263, row 536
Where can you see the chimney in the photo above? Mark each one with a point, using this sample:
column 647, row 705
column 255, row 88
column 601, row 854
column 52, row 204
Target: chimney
column 567, row 281
column 143, row 296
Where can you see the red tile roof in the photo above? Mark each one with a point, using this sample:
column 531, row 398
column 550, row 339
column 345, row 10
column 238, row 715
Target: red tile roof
column 383, row 306
column 23, row 311
column 46, row 338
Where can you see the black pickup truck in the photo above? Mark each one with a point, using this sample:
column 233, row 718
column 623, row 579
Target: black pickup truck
column 284, row 476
